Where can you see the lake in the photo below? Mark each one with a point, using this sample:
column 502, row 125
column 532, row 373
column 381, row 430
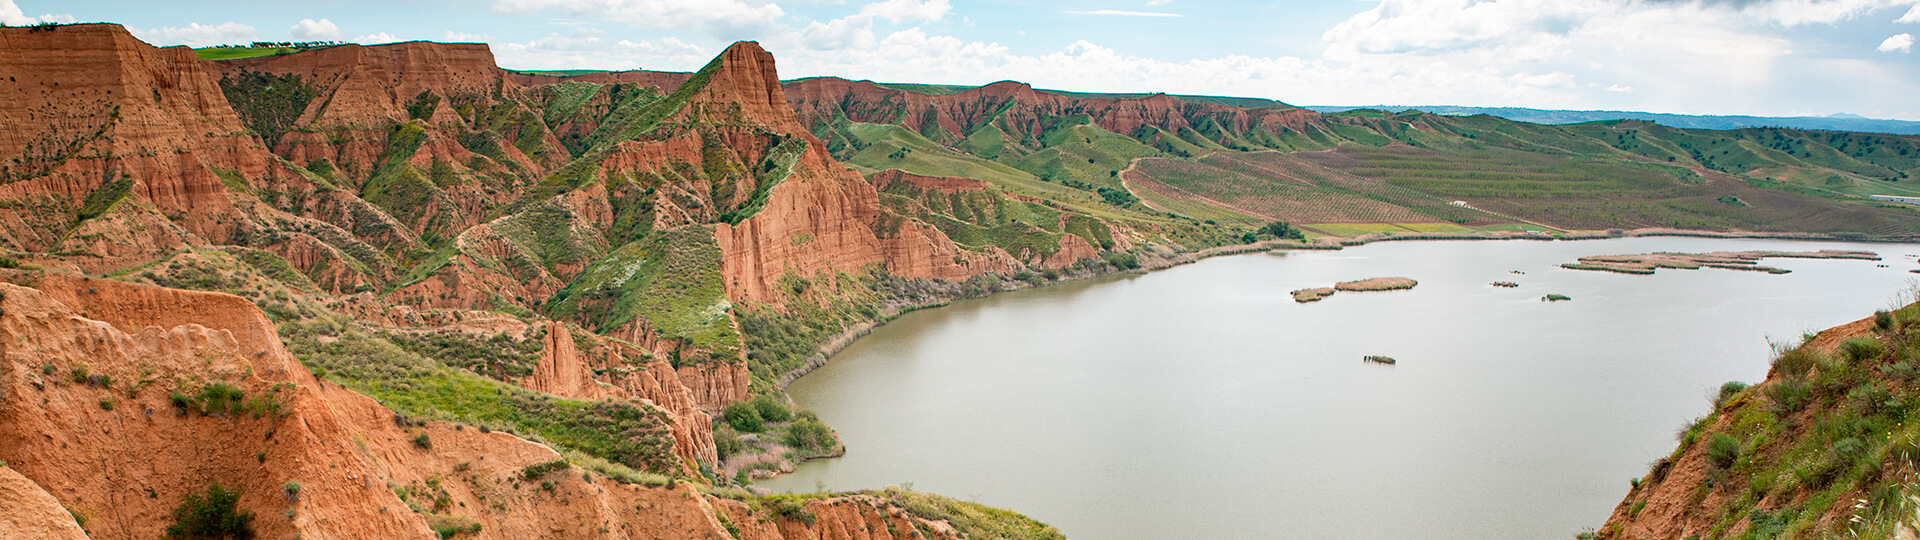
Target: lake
column 1203, row 402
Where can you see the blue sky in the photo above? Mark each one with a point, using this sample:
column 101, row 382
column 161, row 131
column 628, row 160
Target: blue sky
column 1762, row 57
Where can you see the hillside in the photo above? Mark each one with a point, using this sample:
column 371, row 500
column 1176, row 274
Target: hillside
column 1836, row 122
column 1819, row 449
column 1207, row 159
column 416, row 240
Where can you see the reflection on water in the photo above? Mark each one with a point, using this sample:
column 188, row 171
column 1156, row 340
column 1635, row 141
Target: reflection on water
column 1202, row 402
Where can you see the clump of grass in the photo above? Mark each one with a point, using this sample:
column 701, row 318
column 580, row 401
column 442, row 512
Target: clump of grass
column 1722, row 450
column 1789, row 396
column 537, row 470
column 210, row 515
column 1727, row 391
column 423, row 441
column 291, row 490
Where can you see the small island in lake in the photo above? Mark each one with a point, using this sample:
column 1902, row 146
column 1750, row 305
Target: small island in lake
column 1312, row 295
column 1373, row 284
column 1388, row 360
column 1377, row 284
column 1505, row 284
column 1556, row 297
column 1643, row 264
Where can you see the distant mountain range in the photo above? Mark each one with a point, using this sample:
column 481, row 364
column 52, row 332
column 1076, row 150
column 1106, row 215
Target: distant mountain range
column 1836, row 122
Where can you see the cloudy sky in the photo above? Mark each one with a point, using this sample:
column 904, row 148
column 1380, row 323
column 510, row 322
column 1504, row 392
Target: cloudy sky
column 1762, row 57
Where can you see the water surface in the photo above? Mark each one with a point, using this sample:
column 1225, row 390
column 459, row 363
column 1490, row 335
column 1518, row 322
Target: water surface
column 1202, row 402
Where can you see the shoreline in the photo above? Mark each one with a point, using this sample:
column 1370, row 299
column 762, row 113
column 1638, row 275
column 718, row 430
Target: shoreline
column 845, row 338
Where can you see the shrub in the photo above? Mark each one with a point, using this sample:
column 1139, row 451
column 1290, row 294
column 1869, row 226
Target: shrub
column 810, row 435
column 726, row 442
column 1789, row 396
column 1795, row 362
column 219, row 398
column 78, row 374
column 537, row 470
column 1882, row 320
column 423, row 441
column 291, row 490
column 211, row 516
column 106, row 404
column 1858, row 349
column 771, row 409
column 1727, row 391
column 745, row 418
column 1722, row 450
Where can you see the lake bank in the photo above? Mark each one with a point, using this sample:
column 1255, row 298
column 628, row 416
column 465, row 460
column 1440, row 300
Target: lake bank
column 1034, row 399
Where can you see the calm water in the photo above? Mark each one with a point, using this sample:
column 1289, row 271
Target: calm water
column 1202, row 402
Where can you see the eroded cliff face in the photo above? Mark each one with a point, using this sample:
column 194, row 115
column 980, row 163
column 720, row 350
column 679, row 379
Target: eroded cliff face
column 99, row 121
column 397, row 195
column 110, row 444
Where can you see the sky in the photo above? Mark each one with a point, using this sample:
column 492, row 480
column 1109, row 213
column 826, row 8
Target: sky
column 1748, row 57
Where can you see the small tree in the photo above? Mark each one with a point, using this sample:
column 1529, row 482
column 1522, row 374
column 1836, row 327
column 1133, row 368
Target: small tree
column 744, row 417
column 211, row 516
column 1281, row 230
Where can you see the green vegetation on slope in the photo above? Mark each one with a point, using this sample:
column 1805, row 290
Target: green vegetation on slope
column 671, row 278
column 1820, row 449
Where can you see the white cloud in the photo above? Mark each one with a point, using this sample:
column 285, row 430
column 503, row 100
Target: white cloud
column 853, row 31
column 903, row 11
column 1912, row 16
column 312, row 30
column 1798, row 12
column 1158, row 2
column 1620, row 89
column 725, row 19
column 198, row 35
column 1124, row 13
column 588, row 48
column 463, row 37
column 11, row 15
column 1899, row 42
column 370, row 39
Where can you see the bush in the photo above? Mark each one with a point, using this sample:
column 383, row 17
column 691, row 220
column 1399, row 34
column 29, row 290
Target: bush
column 1858, row 349
column 1789, row 396
column 810, row 435
column 291, row 490
column 726, row 442
column 211, row 516
column 537, row 470
column 423, row 441
column 1882, row 320
column 1281, row 230
column 1727, row 391
column 771, row 409
column 1722, row 450
column 745, row 418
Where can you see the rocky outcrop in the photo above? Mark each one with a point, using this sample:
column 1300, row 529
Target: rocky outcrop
column 32, row 512
column 111, row 446
column 88, row 105
column 941, row 184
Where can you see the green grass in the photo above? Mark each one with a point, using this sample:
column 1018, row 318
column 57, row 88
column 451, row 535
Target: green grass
column 1357, row 229
column 1823, row 436
column 671, row 278
column 235, row 53
column 632, row 435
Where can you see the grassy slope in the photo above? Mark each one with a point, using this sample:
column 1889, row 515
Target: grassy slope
column 1822, row 442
